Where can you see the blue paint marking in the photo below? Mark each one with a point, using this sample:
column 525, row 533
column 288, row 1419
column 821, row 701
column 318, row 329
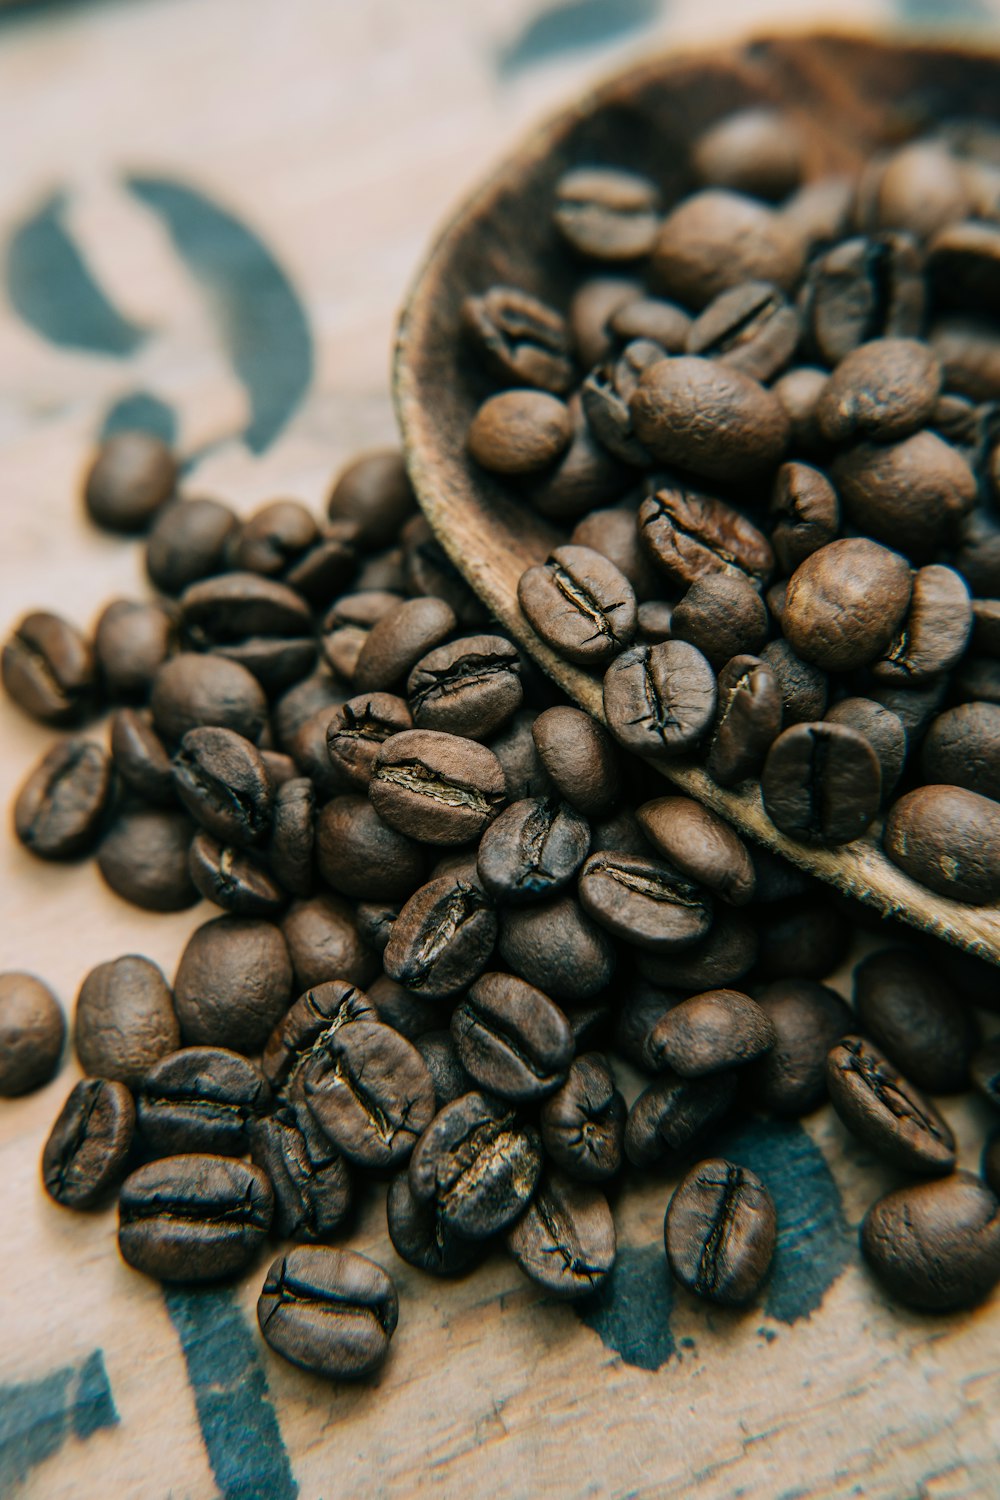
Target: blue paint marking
column 632, row 1313
column 38, row 1416
column 953, row 13
column 573, row 26
column 238, row 1423
column 52, row 288
column 141, row 411
column 262, row 320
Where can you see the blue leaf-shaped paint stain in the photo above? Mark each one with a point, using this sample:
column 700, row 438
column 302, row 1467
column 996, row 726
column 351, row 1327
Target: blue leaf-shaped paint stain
column 945, row 12
column 140, row 411
column 261, row 318
column 632, row 1313
column 573, row 26
column 38, row 1416
column 52, row 288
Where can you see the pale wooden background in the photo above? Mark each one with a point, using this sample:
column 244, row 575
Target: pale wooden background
column 342, row 133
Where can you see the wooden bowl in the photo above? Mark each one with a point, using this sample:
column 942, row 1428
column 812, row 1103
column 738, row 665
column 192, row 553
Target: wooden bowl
column 850, row 96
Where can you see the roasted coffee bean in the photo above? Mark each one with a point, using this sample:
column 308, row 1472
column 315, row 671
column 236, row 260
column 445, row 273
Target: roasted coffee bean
column 612, row 532
column 125, row 1020
column 700, row 845
column 969, row 352
column 438, row 788
column 583, row 1122
column 673, row 1113
column 347, row 623
column 757, row 151
column 935, row 631
column 144, row 858
column 978, row 679
column 962, row 748
column 880, row 392
column 133, row 474
column 554, row 946
column 188, row 541
column 948, row 839
column 374, row 492
column 606, row 397
column 804, row 514
column 865, row 288
column 660, row 700
column 200, row 1099
column 654, row 618
column 804, row 688
column 620, row 831
column 714, row 240
column 588, row 474
column 193, row 1218
column 420, row 1236
column 517, row 433
column 442, row 938
column 918, row 187
column 708, row 1033
column 935, row 1245
column 986, row 626
column 821, row 783
column 469, row 687
column 807, row 1019
column 751, row 328
column 803, row 939
column 845, row 604
column 48, row 669
column 565, row 1239
column 881, row 728
column 915, row 1016
column 534, row 848
column 720, row 1231
column 747, row 719
column 369, row 1091
column 331, row 1312
column 449, row 1078
column 510, row 1038
column 193, row 690
column 255, row 622
column 914, row 707
column 911, row 494
column 60, row 806
column 224, row 784
column 309, row 1177
column 273, row 538
column 607, row 214
column 775, row 598
column 303, row 1032
column 131, row 641
column 963, row 266
column 294, row 708
column 324, row 943
column 723, row 616
column 885, row 1111
column 399, row 639
column 690, row 535
column 32, row 1033
column 89, row 1143
column 477, row 1165
column 644, row 901
column 358, row 728
column 514, row 748
column 709, row 418
column 375, row 919
column 799, row 391
column 293, row 828
column 312, row 759
column 233, row 879
column 233, row 983
column 591, row 309
column 650, row 318
column 410, row 1014
column 428, row 572
column 580, row 604
column 642, row 1006
column 720, row 959
column 361, row 856
column 140, row 757
column 580, row 758
column 523, row 341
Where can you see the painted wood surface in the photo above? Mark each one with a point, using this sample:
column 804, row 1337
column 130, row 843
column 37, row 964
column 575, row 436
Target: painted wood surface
column 310, row 148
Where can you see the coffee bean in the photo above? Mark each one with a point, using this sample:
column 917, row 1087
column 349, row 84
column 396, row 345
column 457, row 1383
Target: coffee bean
column 948, row 839
column 915, row 1016
column 140, row 757
column 935, row 1245
column 293, row 825
column 588, row 473
column 607, row 214
column 700, row 845
column 375, row 493
column 862, row 289
column 720, row 959
column 449, row 1078
column 273, row 538
column 911, row 494
column 885, row 1111
column 935, row 631
column 309, row 1177
column 188, row 541
column 200, row 1099
column 606, row 397
column 88, row 1146
column 612, row 532
column 421, row 1237
column 644, row 900
column 312, row 759
column 751, row 328
column 557, row 948
column 591, row 308
column 707, row 1033
column 469, row 687
column 846, row 603
column 918, row 187
column 132, row 475
column 442, row 938
column 804, row 688
column 690, row 535
column 131, row 641
column 747, row 719
column 331, row 1312
column 144, row 858
column 125, row 1020
column 233, row 983
column 410, row 1014
column 660, row 700
column 192, row 690
column 651, row 318
column 714, row 240
column 804, row 514
column 252, row 621
column 193, row 1218
column 324, row 943
column 361, row 856
column 880, row 392
column 534, row 848
column 565, row 1240
column 521, row 340
column 720, row 1231
column 799, row 390
column 882, row 729
column 511, row 1039
column 583, row 1122
column 722, row 615
column 32, row 1033
column 673, row 1113
column 369, row 1091
column 48, row 669
column 963, row 266
column 428, row 572
column 807, row 1019
column 821, row 783
column 580, row 603
column 234, row 880
column 757, row 151
column 437, row 788
column 224, row 784
column 642, row 1006
column 801, row 939
column 476, row 1165
column 914, row 707
column 962, row 748
column 709, row 418
column 580, row 758
column 60, row 806
column 303, row 1032
column 520, row 432
column 358, row 728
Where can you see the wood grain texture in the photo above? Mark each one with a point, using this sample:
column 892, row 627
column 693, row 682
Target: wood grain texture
column 340, row 136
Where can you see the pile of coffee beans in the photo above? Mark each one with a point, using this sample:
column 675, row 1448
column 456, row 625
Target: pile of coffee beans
column 767, row 415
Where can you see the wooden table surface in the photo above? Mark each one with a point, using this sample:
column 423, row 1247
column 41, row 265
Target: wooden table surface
column 209, row 214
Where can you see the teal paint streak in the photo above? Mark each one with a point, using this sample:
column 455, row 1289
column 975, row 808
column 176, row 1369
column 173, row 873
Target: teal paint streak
column 39, row 1416
column 572, row 27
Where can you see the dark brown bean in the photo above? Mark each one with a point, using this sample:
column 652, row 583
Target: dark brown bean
column 32, row 1033
column 583, row 1122
column 125, row 1019
column 720, row 1231
column 193, row 1218
column 144, row 858
column 48, row 669
column 691, row 535
column 747, row 720
column 520, row 432
column 442, row 938
column 88, row 1146
column 709, row 418
column 709, row 1033
column 565, row 1240
column 233, row 983
column 948, row 839
column 935, row 1245
column 915, row 1016
column 845, row 603
column 660, row 700
column 580, row 603
column 807, row 1018
column 821, row 783
column 511, row 1039
column 59, row 807
column 885, row 1111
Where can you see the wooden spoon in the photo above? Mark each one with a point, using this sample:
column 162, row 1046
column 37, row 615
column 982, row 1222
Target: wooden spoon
column 850, row 97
